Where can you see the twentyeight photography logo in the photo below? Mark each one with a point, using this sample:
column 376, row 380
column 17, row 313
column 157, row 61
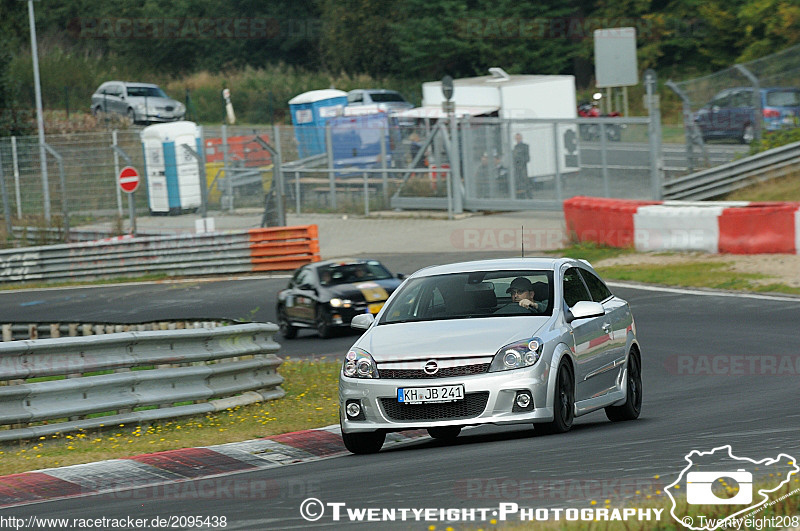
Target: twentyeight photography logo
column 717, row 489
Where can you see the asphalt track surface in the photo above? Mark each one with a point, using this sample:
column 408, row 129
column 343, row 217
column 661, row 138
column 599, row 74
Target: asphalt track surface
column 687, row 405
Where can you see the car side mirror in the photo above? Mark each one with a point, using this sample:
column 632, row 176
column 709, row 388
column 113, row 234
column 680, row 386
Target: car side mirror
column 401, row 276
column 362, row 321
column 584, row 310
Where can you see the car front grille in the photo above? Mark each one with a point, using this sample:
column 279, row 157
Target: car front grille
column 445, row 372
column 472, row 406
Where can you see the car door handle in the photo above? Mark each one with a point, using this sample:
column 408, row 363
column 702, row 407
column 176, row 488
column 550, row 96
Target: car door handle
column 607, row 328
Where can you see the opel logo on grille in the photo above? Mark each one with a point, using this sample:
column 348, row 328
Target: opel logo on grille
column 431, row 367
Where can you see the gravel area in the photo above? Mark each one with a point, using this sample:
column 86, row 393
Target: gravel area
column 783, row 268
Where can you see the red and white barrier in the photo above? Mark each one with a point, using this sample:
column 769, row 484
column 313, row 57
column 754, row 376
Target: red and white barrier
column 736, row 227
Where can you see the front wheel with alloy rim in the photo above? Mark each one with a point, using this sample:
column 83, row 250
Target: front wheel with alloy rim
column 364, row 443
column 633, row 404
column 322, row 320
column 287, row 330
column 563, row 402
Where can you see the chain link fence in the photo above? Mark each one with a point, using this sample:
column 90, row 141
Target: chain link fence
column 479, row 164
column 741, row 103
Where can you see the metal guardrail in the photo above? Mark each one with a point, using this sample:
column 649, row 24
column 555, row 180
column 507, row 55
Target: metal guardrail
column 16, row 331
column 272, row 249
column 726, row 178
column 133, row 377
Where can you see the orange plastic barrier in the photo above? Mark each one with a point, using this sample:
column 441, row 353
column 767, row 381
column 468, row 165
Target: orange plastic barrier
column 758, row 228
column 603, row 221
column 283, row 248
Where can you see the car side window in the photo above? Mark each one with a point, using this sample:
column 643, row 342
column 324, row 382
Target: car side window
column 355, row 98
column 574, row 289
column 722, row 100
column 304, row 278
column 743, row 98
column 597, row 289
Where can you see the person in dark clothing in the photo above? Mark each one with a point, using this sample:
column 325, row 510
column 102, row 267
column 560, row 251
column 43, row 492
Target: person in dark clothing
column 520, row 156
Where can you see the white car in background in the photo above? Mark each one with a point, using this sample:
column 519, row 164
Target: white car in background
column 136, row 102
column 458, row 345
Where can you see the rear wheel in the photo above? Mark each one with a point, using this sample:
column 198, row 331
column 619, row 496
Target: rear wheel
column 444, row 433
column 131, row 117
column 563, row 402
column 322, row 320
column 633, row 404
column 287, row 330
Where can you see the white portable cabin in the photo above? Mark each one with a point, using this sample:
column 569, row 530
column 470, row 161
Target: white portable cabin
column 517, row 97
column 173, row 176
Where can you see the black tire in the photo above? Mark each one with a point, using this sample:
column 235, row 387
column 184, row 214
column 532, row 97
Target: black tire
column 364, row 443
column 322, row 321
column 96, row 111
column 131, row 117
column 444, row 433
column 287, row 330
column 563, row 402
column 633, row 404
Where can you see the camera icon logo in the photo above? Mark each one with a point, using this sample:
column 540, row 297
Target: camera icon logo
column 699, row 488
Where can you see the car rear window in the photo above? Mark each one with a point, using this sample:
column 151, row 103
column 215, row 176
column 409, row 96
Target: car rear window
column 783, row 98
column 383, row 97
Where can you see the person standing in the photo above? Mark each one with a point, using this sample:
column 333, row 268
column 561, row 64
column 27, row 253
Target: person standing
column 520, row 156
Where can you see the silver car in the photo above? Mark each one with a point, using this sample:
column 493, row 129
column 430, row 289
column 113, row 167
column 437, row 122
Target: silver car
column 510, row 341
column 137, row 102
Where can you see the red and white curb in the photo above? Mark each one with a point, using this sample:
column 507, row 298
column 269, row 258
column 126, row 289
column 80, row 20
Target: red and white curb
column 174, row 466
column 736, row 227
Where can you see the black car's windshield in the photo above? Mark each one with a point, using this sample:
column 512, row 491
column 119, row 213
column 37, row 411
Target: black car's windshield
column 333, row 274
column 473, row 294
column 150, row 92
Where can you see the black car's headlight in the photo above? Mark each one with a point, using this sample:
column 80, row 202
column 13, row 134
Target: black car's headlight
column 340, row 303
column 517, row 355
column 359, row 364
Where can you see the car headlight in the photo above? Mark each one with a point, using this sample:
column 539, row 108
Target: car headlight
column 359, row 364
column 341, row 303
column 517, row 355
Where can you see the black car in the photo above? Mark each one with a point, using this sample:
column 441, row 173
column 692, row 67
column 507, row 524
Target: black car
column 326, row 295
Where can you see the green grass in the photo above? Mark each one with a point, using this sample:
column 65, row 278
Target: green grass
column 590, row 252
column 310, row 402
column 785, row 188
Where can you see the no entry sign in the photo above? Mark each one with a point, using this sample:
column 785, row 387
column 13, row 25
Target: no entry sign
column 128, row 179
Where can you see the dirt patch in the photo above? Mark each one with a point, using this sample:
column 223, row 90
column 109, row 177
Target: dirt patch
column 782, row 268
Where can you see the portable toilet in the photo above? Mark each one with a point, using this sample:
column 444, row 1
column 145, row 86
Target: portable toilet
column 310, row 112
column 173, row 177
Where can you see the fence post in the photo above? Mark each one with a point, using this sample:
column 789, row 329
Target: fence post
column 756, row 99
column 277, row 173
column 15, row 163
column 6, row 207
column 114, row 144
column 654, row 134
column 63, row 181
column 559, row 193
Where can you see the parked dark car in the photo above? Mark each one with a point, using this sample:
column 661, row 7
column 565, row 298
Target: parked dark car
column 326, row 295
column 136, row 102
column 732, row 113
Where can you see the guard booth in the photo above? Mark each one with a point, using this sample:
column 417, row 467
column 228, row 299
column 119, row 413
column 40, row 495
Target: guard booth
column 310, row 112
column 173, row 177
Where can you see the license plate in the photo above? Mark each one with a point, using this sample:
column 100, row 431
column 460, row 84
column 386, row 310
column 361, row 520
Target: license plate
column 375, row 307
column 427, row 395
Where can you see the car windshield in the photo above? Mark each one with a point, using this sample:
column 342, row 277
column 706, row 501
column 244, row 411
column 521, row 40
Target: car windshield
column 333, row 274
column 783, row 98
column 149, row 92
column 469, row 295
column 383, row 97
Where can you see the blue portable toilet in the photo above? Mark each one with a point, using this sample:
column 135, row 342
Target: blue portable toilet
column 173, row 177
column 310, row 112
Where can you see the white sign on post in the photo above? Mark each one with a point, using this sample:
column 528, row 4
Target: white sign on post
column 615, row 57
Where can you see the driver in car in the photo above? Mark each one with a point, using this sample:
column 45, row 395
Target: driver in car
column 521, row 290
